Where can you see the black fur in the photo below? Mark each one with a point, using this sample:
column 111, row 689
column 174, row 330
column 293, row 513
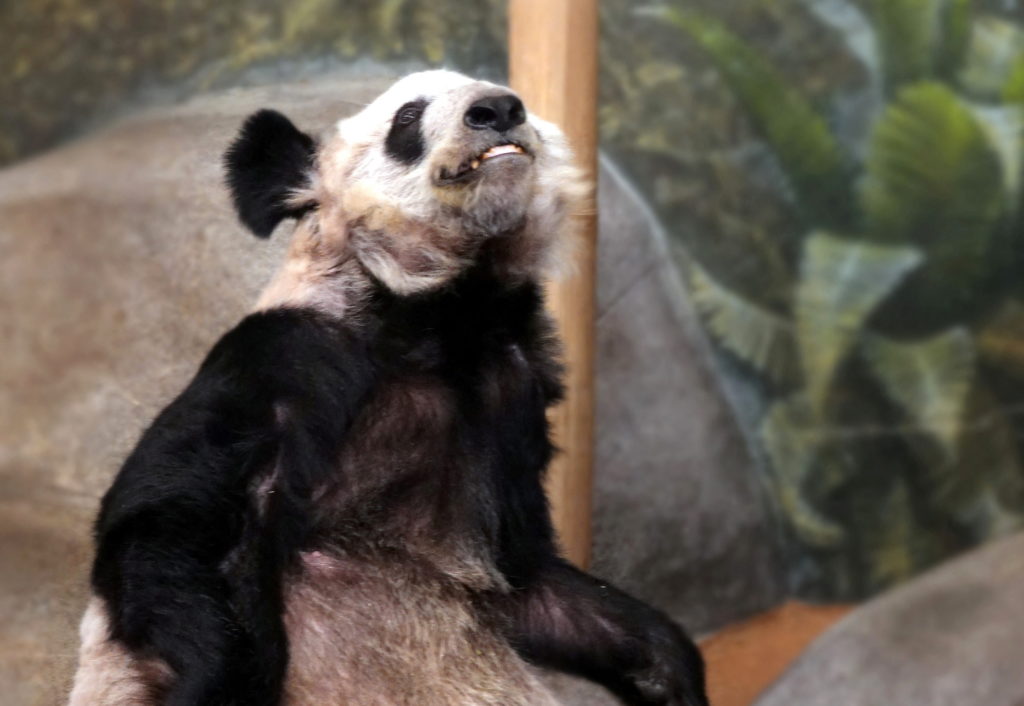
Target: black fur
column 569, row 621
column 192, row 569
column 268, row 160
column 405, row 142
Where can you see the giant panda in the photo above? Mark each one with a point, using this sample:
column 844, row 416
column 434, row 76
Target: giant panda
column 345, row 507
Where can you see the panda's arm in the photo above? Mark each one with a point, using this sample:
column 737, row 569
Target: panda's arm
column 567, row 620
column 562, row 618
column 188, row 562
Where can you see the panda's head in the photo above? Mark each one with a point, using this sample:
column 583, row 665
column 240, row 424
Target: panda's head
column 438, row 173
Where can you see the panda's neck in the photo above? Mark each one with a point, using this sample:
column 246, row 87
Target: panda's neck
column 337, row 289
column 349, row 290
column 474, row 304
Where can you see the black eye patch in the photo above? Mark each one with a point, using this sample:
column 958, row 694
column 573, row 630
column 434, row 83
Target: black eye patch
column 405, row 141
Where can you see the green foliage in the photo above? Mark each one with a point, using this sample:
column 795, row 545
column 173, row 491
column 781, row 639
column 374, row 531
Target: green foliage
column 921, row 39
column 885, row 356
column 906, row 30
column 890, row 540
column 791, row 436
column 993, row 55
column 762, row 338
column 934, row 180
column 1013, row 86
column 841, row 283
column 929, row 379
column 955, row 29
column 809, row 153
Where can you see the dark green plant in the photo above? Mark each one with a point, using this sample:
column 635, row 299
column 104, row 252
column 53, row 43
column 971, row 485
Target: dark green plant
column 901, row 320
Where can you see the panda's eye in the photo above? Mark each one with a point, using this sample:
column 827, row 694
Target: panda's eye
column 405, row 142
column 409, row 113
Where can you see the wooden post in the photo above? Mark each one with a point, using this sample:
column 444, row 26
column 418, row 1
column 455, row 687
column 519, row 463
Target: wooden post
column 553, row 66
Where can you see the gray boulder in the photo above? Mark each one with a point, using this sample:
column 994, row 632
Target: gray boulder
column 950, row 637
column 680, row 517
column 122, row 264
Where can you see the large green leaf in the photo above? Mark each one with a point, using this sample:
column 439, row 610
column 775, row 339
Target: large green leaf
column 808, row 152
column 934, row 180
column 841, row 283
column 762, row 338
column 929, row 379
column 791, row 436
column 921, row 39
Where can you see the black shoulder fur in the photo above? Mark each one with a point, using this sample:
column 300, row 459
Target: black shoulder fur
column 279, row 390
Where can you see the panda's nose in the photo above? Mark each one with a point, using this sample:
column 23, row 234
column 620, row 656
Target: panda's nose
column 501, row 113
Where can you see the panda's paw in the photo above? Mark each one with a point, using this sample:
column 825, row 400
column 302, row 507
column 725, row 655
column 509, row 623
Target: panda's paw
column 674, row 675
column 661, row 693
column 668, row 690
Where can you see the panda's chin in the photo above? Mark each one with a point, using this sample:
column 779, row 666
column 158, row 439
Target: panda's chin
column 501, row 173
column 497, row 208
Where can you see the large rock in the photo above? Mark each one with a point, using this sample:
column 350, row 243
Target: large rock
column 948, row 638
column 122, row 263
column 680, row 518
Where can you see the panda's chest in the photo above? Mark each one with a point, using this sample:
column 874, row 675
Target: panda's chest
column 427, row 451
column 472, row 352
column 442, row 397
column 478, row 374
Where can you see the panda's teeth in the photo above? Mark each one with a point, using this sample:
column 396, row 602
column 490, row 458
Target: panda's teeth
column 474, row 164
column 499, row 150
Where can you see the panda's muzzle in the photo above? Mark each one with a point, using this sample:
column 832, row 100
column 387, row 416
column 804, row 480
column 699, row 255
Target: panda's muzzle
column 468, row 168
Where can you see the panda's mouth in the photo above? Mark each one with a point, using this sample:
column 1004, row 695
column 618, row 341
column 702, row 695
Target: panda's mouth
column 469, row 167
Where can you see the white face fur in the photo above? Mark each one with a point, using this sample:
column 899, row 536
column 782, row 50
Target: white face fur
column 465, row 175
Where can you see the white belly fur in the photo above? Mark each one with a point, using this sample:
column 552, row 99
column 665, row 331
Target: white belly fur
column 365, row 636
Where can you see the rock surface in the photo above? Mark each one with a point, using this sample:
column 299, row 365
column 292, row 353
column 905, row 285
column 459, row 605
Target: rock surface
column 122, row 264
column 950, row 637
column 679, row 516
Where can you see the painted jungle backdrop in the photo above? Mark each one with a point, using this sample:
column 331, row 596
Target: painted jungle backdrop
column 848, row 217
column 840, row 181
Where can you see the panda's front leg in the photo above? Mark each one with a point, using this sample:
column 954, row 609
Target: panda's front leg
column 567, row 620
column 220, row 636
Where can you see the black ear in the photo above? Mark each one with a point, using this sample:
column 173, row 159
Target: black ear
column 266, row 163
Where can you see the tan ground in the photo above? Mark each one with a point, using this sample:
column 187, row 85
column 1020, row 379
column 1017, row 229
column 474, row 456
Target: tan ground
column 744, row 658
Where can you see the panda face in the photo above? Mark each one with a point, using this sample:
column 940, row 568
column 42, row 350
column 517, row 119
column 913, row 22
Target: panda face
column 437, row 167
column 468, row 134
column 440, row 138
column 437, row 174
